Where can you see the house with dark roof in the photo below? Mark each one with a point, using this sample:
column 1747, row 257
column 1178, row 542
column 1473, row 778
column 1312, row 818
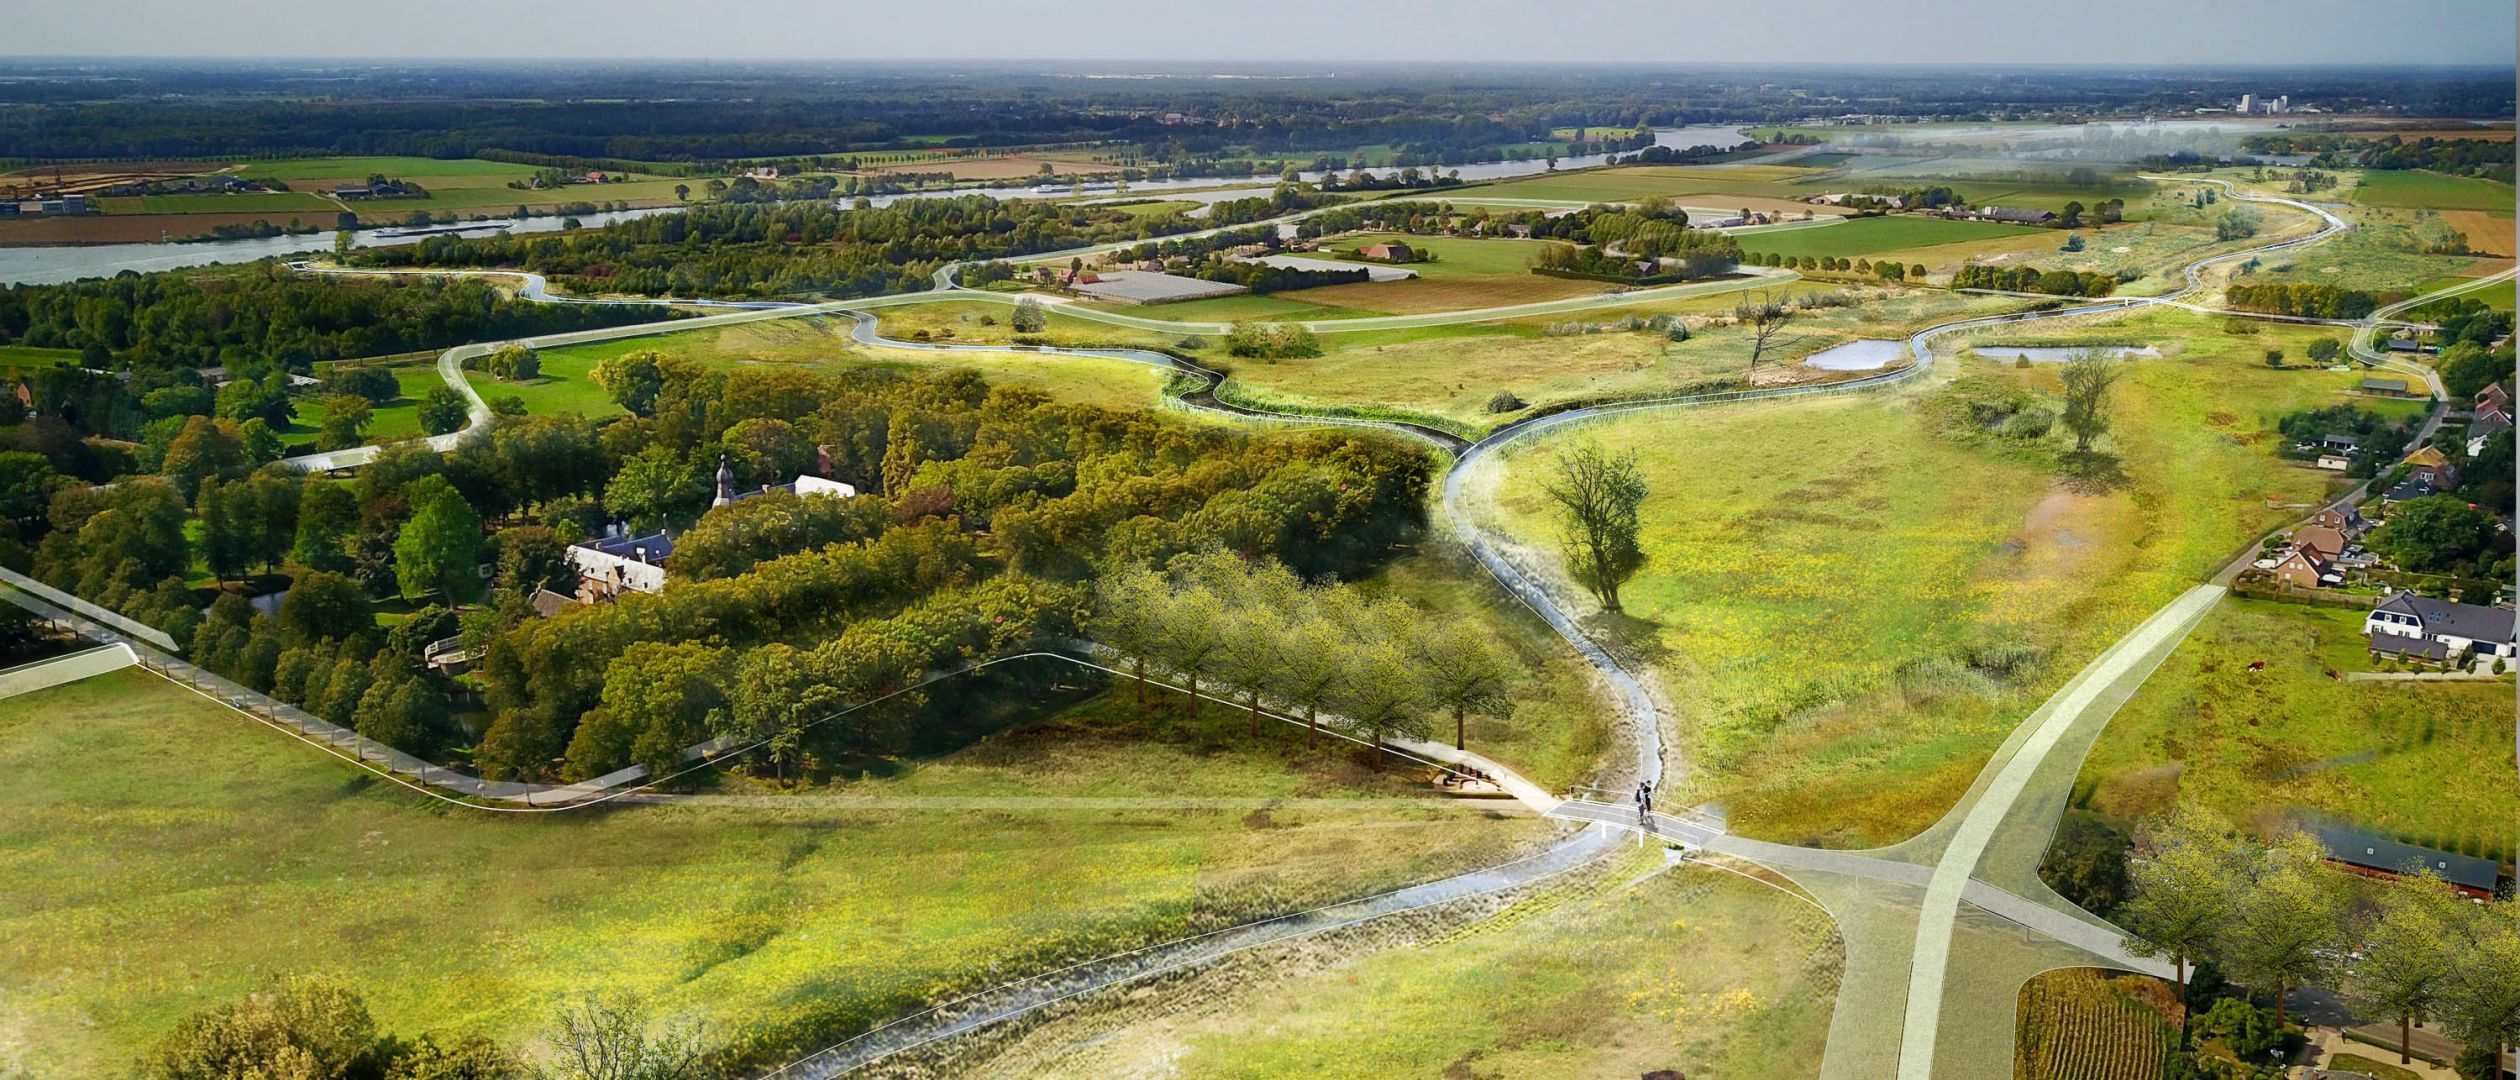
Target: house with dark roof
column 612, row 565
column 2375, row 856
column 1392, row 252
column 2344, row 519
column 2439, row 631
column 2384, row 387
column 2017, row 217
column 2410, row 488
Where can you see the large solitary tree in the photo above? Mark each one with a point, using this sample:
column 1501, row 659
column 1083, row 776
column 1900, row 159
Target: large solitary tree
column 2089, row 375
column 1598, row 494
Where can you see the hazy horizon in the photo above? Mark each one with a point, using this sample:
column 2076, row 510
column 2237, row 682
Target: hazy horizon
column 1678, row 33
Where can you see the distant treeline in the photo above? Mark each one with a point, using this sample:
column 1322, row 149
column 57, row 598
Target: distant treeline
column 771, row 249
column 719, row 112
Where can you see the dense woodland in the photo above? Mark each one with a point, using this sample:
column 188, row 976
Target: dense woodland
column 988, row 509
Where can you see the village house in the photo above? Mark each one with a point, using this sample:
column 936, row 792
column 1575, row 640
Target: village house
column 2329, row 543
column 2335, row 462
column 2373, row 856
column 2490, row 416
column 2384, row 387
column 2421, row 628
column 1392, row 252
column 2433, row 467
column 2415, row 487
column 2302, row 567
column 2344, row 519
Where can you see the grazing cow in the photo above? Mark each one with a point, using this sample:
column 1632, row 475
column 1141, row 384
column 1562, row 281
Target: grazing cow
column 2257, row 665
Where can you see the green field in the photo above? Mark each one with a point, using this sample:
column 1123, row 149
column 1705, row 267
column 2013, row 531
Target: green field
column 568, row 385
column 2418, row 188
column 1852, row 613
column 1456, row 257
column 247, row 202
column 1866, row 236
column 396, row 419
column 2399, row 757
column 29, row 356
column 191, row 853
column 458, row 185
column 359, row 168
column 1450, row 373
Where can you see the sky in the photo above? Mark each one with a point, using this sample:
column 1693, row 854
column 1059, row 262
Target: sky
column 1678, row 32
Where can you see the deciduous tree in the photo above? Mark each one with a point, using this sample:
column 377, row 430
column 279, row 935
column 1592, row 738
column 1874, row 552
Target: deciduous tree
column 1598, row 494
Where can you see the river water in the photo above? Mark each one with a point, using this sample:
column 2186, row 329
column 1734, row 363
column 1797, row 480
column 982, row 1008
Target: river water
column 45, row 265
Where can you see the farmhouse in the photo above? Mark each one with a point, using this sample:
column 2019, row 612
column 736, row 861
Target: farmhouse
column 2372, row 856
column 1391, row 252
column 2422, row 628
column 2017, row 217
column 2384, row 387
column 2343, row 444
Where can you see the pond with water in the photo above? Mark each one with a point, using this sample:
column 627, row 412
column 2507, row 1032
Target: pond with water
column 1866, row 354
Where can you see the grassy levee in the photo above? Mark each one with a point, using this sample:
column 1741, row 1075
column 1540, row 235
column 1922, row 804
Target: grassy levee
column 165, row 854
column 1850, row 602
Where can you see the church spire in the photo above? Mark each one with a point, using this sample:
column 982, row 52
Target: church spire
column 725, row 484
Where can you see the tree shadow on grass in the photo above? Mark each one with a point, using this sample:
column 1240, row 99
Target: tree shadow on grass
column 1631, row 640
column 2091, row 472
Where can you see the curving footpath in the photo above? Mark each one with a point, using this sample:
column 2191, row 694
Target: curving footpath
column 1952, row 879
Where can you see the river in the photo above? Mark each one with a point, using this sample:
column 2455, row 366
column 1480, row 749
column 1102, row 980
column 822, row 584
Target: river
column 47, row 265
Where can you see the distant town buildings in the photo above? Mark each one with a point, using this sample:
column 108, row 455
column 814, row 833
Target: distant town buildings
column 2253, row 104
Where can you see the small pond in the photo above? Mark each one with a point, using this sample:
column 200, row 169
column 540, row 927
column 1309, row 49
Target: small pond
column 1867, row 354
column 2051, row 354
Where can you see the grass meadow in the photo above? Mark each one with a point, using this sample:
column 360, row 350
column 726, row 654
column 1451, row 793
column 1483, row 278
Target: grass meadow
column 164, row 853
column 2404, row 758
column 2421, row 188
column 1449, row 374
column 1869, row 236
column 1849, row 610
column 1635, row 968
